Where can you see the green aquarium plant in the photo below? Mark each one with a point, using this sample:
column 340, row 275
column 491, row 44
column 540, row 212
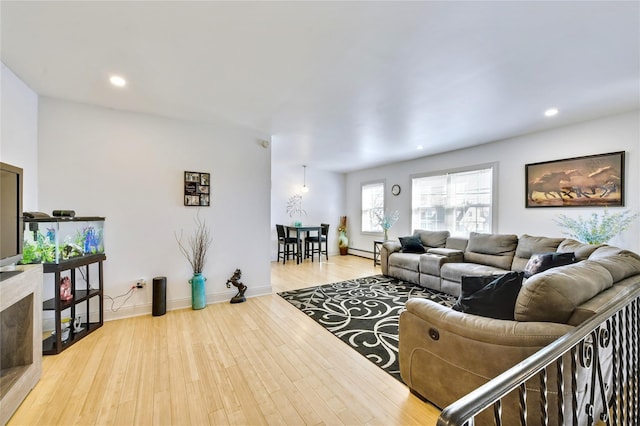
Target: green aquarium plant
column 88, row 240
column 42, row 250
column 30, row 254
column 597, row 229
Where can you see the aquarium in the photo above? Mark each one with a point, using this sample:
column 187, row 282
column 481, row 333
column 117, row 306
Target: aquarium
column 56, row 239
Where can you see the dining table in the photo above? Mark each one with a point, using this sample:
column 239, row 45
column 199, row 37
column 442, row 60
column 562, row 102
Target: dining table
column 299, row 231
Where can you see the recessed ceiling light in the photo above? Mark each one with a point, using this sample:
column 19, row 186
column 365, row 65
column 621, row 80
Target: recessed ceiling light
column 419, row 147
column 117, row 81
column 551, row 112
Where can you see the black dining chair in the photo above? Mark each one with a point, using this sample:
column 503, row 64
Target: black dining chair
column 286, row 243
column 322, row 239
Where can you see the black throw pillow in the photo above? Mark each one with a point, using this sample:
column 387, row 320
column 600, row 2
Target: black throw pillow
column 411, row 244
column 543, row 261
column 495, row 300
column 473, row 283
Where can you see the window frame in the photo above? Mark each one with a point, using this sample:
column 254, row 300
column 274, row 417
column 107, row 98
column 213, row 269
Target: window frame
column 476, row 167
column 382, row 182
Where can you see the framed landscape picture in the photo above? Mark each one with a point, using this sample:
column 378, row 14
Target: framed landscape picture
column 197, row 189
column 590, row 181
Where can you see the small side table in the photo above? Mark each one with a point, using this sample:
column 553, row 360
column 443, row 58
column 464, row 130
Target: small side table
column 377, row 245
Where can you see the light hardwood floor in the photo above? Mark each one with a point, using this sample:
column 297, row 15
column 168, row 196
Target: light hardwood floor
column 259, row 362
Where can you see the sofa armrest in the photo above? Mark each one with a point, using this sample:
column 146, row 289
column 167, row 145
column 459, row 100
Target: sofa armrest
column 387, row 249
column 438, row 343
column 392, row 246
column 431, row 262
column 447, row 252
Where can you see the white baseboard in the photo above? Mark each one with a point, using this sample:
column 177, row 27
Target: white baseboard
column 361, row 253
column 147, row 308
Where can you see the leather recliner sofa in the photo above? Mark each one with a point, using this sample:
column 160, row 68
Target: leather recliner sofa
column 445, row 354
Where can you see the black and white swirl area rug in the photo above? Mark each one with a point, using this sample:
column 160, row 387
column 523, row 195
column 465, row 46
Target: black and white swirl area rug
column 364, row 313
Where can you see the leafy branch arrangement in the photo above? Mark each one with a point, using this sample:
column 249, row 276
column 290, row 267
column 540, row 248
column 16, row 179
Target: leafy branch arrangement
column 596, row 229
column 198, row 244
column 386, row 221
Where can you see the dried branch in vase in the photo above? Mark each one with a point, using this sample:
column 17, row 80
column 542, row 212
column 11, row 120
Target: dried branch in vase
column 198, row 244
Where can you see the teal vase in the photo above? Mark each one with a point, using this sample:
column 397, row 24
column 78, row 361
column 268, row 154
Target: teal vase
column 198, row 293
column 343, row 243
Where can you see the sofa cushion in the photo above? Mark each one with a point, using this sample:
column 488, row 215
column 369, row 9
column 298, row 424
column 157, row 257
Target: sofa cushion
column 554, row 294
column 457, row 243
column 598, row 303
column 404, row 274
column 454, row 271
column 528, row 245
column 491, row 249
column 620, row 263
column 432, row 238
column 496, row 299
column 542, row 261
column 409, row 261
column 581, row 250
column 411, row 244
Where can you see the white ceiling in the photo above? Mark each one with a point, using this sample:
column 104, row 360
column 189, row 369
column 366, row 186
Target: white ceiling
column 339, row 85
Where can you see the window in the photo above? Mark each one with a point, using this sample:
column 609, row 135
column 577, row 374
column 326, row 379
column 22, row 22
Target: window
column 372, row 206
column 460, row 202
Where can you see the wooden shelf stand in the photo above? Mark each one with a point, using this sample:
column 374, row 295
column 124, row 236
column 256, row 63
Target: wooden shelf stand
column 54, row 343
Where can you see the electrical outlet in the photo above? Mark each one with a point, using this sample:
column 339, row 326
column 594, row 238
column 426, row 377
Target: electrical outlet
column 141, row 283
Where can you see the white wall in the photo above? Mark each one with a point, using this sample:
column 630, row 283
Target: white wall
column 610, row 134
column 324, row 203
column 129, row 167
column 19, row 132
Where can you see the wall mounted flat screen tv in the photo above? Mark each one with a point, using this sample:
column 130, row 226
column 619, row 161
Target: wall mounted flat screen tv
column 11, row 220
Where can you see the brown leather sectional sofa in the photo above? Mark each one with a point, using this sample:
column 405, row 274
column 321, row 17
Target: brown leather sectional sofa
column 445, row 354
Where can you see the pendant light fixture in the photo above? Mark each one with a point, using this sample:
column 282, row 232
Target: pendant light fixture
column 305, row 188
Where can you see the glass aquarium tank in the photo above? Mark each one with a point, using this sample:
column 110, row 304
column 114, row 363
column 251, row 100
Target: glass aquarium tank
column 57, row 239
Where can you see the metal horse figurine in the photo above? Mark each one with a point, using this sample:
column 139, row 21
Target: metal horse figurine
column 235, row 280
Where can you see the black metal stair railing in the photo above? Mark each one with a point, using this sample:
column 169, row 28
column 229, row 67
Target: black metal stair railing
column 588, row 376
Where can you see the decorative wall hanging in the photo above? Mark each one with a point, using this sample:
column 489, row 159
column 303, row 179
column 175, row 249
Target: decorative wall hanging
column 197, row 189
column 590, row 181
